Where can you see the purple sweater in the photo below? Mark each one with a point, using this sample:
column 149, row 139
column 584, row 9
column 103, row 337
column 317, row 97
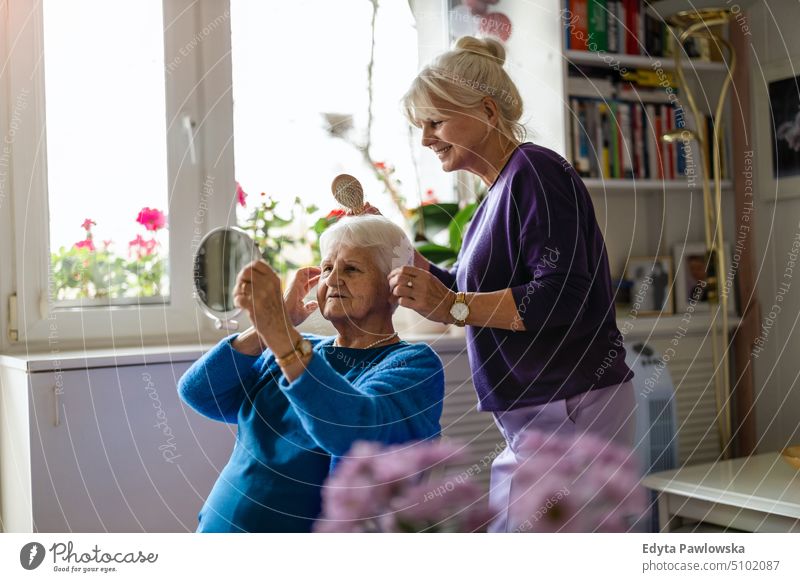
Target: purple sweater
column 536, row 232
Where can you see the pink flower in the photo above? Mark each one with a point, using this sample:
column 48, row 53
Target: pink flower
column 84, row 244
column 141, row 247
column 241, row 195
column 87, row 224
column 580, row 484
column 379, row 488
column 151, row 219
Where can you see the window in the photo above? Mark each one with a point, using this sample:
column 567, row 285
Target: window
column 128, row 106
column 122, row 120
column 299, row 121
column 106, row 151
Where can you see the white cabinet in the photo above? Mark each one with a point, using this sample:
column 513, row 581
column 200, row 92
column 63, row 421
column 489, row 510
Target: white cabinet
column 104, row 448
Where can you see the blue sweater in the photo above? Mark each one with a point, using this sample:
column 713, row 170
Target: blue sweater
column 291, row 434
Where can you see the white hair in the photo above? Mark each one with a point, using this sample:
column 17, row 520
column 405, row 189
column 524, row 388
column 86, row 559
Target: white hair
column 388, row 241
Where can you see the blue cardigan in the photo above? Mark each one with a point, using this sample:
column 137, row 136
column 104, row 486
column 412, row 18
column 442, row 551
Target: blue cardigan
column 290, row 435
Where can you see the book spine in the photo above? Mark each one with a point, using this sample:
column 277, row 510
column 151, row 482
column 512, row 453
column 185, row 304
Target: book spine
column 597, row 25
column 632, row 27
column 574, row 135
column 615, row 139
column 612, row 34
column 582, row 163
column 638, row 145
column 626, row 144
column 680, row 151
column 591, row 134
column 603, row 140
column 666, row 148
column 653, row 138
column 579, row 30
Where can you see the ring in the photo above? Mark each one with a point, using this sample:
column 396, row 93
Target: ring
column 409, row 284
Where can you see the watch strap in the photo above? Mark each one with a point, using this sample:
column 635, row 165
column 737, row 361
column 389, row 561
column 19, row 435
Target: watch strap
column 296, row 352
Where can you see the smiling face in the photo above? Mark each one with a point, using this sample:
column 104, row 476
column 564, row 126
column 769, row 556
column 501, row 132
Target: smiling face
column 352, row 288
column 459, row 137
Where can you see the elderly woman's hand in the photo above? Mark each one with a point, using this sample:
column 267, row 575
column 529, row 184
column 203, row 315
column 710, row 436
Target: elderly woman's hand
column 419, row 290
column 258, row 292
column 303, row 282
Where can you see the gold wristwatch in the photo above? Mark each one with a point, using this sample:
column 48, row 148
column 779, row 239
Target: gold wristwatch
column 302, row 349
column 460, row 310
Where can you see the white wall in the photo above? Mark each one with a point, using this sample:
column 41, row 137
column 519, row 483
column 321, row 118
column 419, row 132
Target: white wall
column 775, row 43
column 536, row 65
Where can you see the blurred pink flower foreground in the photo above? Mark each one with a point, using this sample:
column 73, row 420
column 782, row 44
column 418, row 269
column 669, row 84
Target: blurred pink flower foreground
column 391, row 489
column 581, row 484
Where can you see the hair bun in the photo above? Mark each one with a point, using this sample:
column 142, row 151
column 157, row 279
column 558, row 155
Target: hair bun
column 487, row 47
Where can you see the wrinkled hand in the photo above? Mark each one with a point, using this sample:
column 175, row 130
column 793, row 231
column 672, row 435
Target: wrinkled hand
column 303, row 282
column 258, row 292
column 427, row 295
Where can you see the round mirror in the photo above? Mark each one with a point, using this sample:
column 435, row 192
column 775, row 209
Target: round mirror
column 222, row 253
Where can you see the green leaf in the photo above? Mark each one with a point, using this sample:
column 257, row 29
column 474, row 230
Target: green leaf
column 459, row 225
column 435, row 253
column 436, row 217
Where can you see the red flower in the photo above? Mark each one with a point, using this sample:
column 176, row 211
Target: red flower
column 380, row 165
column 87, row 224
column 335, row 214
column 151, row 219
column 84, row 244
column 241, row 195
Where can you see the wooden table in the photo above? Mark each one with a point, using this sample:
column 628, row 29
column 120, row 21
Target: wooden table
column 760, row 493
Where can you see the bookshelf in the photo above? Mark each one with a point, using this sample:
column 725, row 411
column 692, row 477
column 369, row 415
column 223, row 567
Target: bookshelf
column 648, row 214
column 646, row 208
column 639, row 61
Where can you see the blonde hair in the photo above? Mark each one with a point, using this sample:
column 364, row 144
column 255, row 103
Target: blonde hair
column 463, row 77
column 389, row 243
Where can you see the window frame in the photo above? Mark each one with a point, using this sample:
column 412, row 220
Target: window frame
column 200, row 193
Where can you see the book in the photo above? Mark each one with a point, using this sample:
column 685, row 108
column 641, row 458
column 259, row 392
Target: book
column 579, row 24
column 612, row 24
column 597, row 25
column 632, row 27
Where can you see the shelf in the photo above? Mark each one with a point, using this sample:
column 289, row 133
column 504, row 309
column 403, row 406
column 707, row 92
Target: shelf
column 638, row 61
column 647, row 185
column 667, row 325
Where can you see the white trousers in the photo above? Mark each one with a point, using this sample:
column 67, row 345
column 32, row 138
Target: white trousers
column 606, row 412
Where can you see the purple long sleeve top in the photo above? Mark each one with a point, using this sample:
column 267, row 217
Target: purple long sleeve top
column 536, row 233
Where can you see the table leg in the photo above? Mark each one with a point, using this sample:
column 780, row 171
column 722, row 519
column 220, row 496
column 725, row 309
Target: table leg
column 666, row 521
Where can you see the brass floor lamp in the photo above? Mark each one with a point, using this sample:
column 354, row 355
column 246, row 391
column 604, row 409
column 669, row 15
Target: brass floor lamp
column 704, row 19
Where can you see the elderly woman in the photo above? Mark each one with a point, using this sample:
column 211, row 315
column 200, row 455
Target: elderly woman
column 300, row 401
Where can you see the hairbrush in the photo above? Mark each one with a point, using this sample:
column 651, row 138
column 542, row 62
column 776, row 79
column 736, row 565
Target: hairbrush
column 348, row 192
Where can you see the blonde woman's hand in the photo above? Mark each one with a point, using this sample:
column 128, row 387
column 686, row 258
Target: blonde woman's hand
column 421, row 291
column 368, row 209
column 298, row 289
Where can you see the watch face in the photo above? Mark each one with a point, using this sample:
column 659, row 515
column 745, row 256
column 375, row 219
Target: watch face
column 460, row 311
column 305, row 347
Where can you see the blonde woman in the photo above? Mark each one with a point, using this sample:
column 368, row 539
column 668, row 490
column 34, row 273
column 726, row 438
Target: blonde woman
column 531, row 282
